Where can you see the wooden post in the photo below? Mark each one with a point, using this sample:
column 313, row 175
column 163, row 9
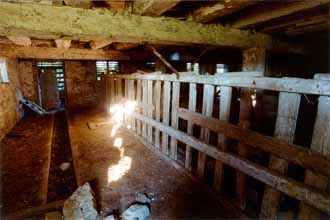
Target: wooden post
column 131, row 98
column 224, row 113
column 138, row 100
column 288, row 108
column 321, row 144
column 166, row 113
column 208, row 95
column 112, row 91
column 119, row 90
column 192, row 108
column 149, row 108
column 175, row 119
column 253, row 60
column 157, row 96
column 144, row 106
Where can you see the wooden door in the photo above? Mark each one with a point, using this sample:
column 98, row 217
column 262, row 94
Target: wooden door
column 49, row 93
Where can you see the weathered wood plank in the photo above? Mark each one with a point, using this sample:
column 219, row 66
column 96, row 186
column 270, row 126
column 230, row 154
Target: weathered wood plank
column 93, row 24
column 60, row 53
column 153, row 7
column 62, row 43
column 149, row 108
column 112, row 91
column 158, row 87
column 119, row 83
column 138, row 100
column 208, row 96
column 174, row 116
column 270, row 177
column 166, row 114
column 294, row 85
column 224, row 113
column 299, row 155
column 144, row 106
column 192, row 108
column 287, row 115
column 22, row 41
column 320, row 143
column 127, row 97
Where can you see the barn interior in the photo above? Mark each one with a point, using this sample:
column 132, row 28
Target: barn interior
column 164, row 109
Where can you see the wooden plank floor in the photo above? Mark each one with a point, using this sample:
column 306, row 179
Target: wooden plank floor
column 98, row 160
column 25, row 164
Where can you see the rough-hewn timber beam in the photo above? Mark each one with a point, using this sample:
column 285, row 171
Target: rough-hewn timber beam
column 22, row 41
column 153, row 7
column 85, row 24
column 219, row 9
column 60, row 53
column 275, row 11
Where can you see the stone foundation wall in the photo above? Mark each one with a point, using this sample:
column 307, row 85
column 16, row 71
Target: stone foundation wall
column 10, row 93
column 82, row 88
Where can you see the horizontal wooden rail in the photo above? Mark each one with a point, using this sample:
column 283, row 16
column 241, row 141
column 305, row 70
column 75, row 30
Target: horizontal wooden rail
column 271, row 178
column 240, row 79
column 304, row 157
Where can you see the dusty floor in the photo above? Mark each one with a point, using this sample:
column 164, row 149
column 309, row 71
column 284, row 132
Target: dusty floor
column 116, row 181
column 25, row 164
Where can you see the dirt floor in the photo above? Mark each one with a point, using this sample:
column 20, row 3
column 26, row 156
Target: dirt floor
column 99, row 160
column 25, row 164
column 61, row 183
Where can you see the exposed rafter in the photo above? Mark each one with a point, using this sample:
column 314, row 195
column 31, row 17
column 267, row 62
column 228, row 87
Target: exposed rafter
column 153, row 7
column 276, row 10
column 124, row 46
column 22, row 41
column 98, row 44
column 60, row 53
column 219, row 9
column 87, row 24
column 61, row 43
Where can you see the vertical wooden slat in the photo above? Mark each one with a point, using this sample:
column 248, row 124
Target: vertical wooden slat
column 149, row 108
column 208, row 96
column 138, row 100
column 175, row 119
column 192, row 108
column 224, row 113
column 288, row 108
column 321, row 144
column 244, row 122
column 144, row 106
column 132, row 98
column 157, row 96
column 107, row 92
column 166, row 113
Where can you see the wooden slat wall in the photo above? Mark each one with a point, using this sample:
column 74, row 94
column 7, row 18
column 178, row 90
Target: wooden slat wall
column 287, row 115
column 321, row 144
column 208, row 95
column 224, row 113
column 191, row 107
column 150, row 94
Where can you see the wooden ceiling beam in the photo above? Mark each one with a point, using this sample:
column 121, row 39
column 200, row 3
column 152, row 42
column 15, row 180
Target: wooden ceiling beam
column 276, row 10
column 22, row 41
column 153, row 7
column 61, row 43
column 219, row 9
column 88, row 24
column 124, row 46
column 293, row 31
column 98, row 44
column 60, row 53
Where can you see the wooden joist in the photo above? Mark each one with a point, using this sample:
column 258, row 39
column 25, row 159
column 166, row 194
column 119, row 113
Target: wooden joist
column 87, row 24
column 269, row 12
column 98, row 44
column 61, row 43
column 271, row 178
column 60, row 53
column 21, row 41
column 219, row 9
column 153, row 7
column 232, row 79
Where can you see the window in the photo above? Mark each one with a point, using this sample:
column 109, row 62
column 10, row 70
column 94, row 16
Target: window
column 221, row 68
column 3, row 71
column 59, row 71
column 194, row 68
column 103, row 67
